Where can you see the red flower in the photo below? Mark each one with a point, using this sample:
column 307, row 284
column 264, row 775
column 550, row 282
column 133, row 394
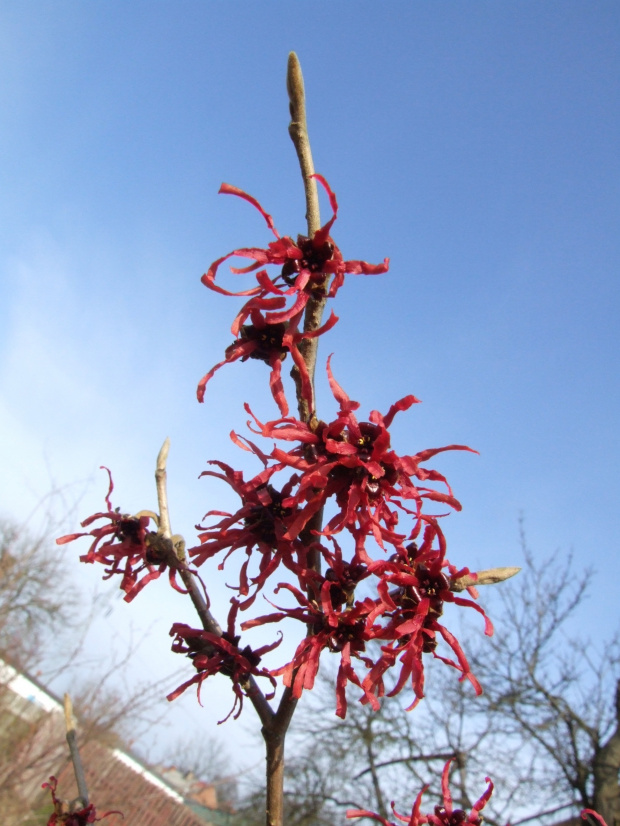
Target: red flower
column 412, row 609
column 270, row 343
column 444, row 815
column 447, row 816
column 337, row 628
column 77, row 818
column 305, row 269
column 414, row 819
column 259, row 525
column 128, row 549
column 353, row 462
column 304, row 266
column 212, row 654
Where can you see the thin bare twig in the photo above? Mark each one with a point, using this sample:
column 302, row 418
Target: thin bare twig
column 78, row 768
column 161, row 477
column 298, row 130
column 175, row 550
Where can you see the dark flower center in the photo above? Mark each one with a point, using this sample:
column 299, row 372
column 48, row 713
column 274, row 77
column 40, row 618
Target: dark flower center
column 343, row 585
column 156, row 552
column 313, row 259
column 263, row 520
column 430, row 586
column 456, row 818
column 366, row 440
column 200, row 652
column 343, row 634
column 129, row 529
column 268, row 341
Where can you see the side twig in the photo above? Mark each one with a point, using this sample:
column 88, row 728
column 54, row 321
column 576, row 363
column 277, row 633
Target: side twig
column 78, row 768
column 175, row 548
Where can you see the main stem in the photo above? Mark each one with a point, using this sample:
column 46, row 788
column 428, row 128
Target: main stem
column 274, row 732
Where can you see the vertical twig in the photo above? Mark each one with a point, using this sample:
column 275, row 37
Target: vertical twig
column 161, row 479
column 209, row 622
column 274, row 734
column 78, row 768
column 298, row 130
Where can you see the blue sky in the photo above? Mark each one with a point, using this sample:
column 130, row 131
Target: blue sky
column 474, row 144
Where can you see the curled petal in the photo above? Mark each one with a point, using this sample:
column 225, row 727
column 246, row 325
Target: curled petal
column 228, row 189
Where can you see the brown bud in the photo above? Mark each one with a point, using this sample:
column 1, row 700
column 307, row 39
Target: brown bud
column 488, row 577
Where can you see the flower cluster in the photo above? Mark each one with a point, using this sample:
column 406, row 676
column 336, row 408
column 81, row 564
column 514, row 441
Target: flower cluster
column 80, row 817
column 377, row 605
column 443, row 815
column 126, row 547
column 351, row 464
column 275, row 307
column 260, row 525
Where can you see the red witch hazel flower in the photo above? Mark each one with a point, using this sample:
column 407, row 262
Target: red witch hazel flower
column 270, row 343
column 353, row 462
column 259, row 525
column 214, row 654
column 126, row 547
column 412, row 591
column 305, row 267
column 443, row 815
column 339, row 628
column 81, row 817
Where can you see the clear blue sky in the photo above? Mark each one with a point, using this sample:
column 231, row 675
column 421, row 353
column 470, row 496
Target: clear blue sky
column 475, row 144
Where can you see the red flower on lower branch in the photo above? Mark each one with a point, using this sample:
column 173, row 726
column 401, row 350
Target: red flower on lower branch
column 126, row 547
column 212, row 654
column 446, row 815
column 80, row 817
column 413, row 587
column 339, row 628
column 443, row 815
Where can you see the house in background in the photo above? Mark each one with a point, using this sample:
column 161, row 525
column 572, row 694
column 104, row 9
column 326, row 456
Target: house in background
column 33, row 747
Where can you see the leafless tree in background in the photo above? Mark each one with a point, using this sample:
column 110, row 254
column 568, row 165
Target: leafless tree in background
column 553, row 692
column 547, row 727
column 42, row 630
